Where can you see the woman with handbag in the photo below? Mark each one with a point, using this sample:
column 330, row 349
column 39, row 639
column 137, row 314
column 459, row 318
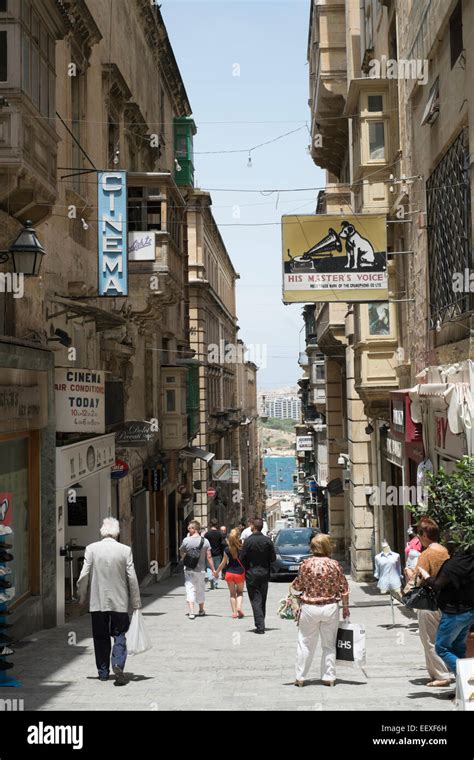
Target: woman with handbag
column 430, row 562
column 234, row 573
column 323, row 585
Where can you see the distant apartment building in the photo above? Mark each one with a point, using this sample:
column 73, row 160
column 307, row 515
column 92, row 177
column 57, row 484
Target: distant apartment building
column 284, row 408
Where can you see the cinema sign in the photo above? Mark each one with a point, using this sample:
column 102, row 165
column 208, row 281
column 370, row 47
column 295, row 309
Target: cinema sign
column 334, row 257
column 112, row 243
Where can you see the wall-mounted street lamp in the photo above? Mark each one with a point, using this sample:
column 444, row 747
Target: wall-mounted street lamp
column 26, row 252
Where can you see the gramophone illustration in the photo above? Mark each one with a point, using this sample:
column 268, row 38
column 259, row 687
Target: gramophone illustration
column 359, row 250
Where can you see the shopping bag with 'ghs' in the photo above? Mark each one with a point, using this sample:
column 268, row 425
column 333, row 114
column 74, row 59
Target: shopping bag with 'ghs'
column 350, row 643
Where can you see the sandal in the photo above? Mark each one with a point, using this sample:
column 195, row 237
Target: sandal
column 234, row 615
column 240, row 614
column 436, row 684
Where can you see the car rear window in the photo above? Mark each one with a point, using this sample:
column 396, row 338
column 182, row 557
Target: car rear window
column 294, row 537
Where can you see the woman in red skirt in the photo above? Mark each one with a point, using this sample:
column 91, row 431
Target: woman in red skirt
column 234, row 573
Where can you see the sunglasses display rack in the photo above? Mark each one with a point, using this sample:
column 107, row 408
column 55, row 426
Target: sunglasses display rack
column 7, row 593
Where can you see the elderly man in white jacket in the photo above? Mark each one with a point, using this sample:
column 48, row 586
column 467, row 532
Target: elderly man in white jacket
column 109, row 565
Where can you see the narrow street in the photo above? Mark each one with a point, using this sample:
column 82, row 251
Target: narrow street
column 224, row 665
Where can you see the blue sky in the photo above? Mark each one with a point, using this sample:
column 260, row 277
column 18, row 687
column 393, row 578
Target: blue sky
column 267, row 39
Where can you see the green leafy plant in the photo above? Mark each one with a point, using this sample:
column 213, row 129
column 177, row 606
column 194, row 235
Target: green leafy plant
column 451, row 503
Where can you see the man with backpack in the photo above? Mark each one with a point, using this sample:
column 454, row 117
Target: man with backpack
column 194, row 551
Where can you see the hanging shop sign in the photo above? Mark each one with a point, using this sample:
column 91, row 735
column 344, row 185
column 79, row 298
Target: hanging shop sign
column 152, row 479
column 112, row 242
column 334, row 257
column 119, row 470
column 135, row 433
column 394, row 451
column 221, row 469
column 80, row 400
column 304, row 443
column 79, row 460
column 141, row 246
column 21, row 405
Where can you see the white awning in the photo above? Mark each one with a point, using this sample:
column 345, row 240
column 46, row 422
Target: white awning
column 458, row 401
column 196, row 453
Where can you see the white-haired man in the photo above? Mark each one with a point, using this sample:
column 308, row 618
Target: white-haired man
column 110, row 567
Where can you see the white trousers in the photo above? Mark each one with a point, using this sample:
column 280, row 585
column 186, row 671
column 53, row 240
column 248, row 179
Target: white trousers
column 195, row 585
column 428, row 623
column 317, row 619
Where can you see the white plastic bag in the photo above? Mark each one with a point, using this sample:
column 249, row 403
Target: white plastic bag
column 350, row 643
column 138, row 638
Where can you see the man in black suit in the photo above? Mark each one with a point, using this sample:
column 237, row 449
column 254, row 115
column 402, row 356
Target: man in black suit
column 257, row 555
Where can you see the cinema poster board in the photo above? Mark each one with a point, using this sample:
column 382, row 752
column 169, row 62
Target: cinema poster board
column 334, row 257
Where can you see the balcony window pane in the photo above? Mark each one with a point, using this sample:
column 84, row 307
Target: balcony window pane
column 44, row 89
column 25, row 13
column 51, row 51
column 379, row 318
column 170, row 401
column 3, row 6
column 376, row 141
column 35, row 76
column 375, row 103
column 153, row 215
column 26, row 84
column 52, row 94
column 35, row 27
column 3, row 57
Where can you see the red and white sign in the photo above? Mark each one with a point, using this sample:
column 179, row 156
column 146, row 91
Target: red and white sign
column 6, row 500
column 211, row 492
column 120, row 469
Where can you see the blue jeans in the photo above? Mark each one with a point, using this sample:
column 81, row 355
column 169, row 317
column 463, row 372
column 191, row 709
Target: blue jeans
column 451, row 638
column 104, row 626
column 217, row 559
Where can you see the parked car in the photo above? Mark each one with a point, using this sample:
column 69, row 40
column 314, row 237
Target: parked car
column 291, row 547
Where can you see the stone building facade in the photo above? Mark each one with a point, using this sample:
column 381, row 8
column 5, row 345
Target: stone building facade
column 76, row 106
column 391, row 124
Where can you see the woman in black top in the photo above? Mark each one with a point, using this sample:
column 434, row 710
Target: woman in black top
column 234, row 573
column 454, row 589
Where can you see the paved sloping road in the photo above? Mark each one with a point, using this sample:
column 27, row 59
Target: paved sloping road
column 224, row 665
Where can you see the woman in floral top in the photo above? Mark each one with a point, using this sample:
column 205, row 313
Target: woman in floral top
column 322, row 585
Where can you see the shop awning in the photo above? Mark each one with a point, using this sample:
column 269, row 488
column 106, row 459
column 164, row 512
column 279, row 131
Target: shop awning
column 458, row 400
column 196, row 453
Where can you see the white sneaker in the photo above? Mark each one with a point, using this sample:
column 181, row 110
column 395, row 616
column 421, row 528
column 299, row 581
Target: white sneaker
column 5, row 571
column 5, row 530
column 7, row 595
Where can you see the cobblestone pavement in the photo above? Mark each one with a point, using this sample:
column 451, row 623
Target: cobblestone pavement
column 216, row 662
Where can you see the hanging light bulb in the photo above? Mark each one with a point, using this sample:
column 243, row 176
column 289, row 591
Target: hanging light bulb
column 85, row 226
column 116, row 157
column 178, row 167
column 249, row 162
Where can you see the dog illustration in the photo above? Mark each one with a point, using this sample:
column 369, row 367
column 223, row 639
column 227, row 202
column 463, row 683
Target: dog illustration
column 3, row 509
column 358, row 248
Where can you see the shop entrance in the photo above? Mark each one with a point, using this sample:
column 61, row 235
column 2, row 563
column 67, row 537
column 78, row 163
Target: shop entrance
column 140, row 533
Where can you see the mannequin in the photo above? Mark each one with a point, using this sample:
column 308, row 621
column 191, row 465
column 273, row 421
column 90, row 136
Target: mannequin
column 388, row 570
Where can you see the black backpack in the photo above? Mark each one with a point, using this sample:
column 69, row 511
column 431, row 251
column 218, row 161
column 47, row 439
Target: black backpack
column 191, row 558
